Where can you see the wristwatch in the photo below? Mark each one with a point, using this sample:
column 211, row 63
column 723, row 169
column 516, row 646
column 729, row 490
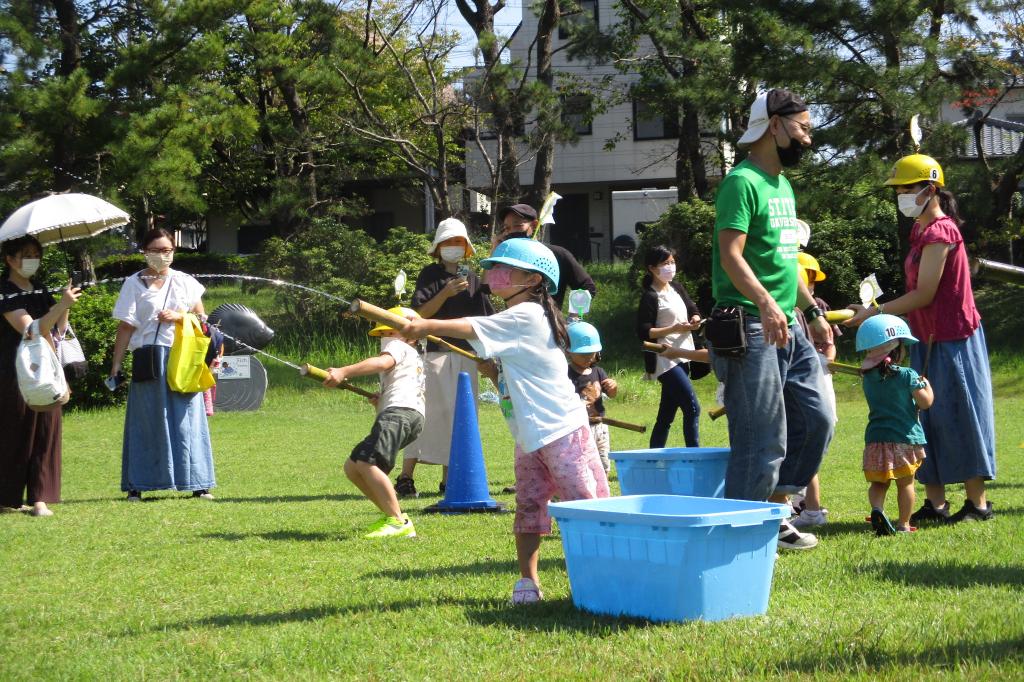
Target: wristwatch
column 812, row 312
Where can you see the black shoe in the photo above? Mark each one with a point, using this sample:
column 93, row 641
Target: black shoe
column 134, row 496
column 969, row 512
column 881, row 523
column 929, row 514
column 405, row 487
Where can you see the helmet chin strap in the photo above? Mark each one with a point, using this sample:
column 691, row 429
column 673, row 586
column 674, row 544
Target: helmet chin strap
column 519, row 293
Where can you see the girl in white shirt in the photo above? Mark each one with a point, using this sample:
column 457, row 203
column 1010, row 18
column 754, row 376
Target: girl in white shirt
column 555, row 452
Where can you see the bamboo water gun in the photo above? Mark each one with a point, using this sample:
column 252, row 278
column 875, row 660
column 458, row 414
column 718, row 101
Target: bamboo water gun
column 379, row 315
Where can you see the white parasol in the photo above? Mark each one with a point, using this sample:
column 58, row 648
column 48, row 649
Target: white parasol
column 63, row 218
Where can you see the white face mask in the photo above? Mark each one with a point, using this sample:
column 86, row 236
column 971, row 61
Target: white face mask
column 159, row 261
column 667, row 272
column 452, row 254
column 907, row 203
column 29, row 266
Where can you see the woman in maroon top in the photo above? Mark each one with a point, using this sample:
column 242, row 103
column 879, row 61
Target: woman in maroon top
column 939, row 303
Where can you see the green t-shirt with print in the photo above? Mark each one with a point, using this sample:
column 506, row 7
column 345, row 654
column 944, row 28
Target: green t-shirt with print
column 762, row 206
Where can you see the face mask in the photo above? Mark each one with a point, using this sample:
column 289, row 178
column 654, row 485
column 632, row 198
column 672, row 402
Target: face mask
column 790, row 155
column 384, row 341
column 498, row 278
column 159, row 261
column 667, row 272
column 29, row 266
column 515, row 235
column 452, row 254
column 907, row 203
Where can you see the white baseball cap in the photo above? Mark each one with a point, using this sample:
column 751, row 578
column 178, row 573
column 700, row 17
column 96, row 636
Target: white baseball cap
column 766, row 105
column 448, row 228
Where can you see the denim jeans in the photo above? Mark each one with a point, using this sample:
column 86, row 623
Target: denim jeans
column 677, row 394
column 780, row 422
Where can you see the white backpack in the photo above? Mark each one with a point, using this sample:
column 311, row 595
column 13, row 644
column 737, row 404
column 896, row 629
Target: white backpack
column 40, row 375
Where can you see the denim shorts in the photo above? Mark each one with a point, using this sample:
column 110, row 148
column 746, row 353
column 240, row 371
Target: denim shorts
column 394, row 428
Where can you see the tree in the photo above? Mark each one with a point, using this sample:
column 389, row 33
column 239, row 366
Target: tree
column 680, row 52
column 406, row 97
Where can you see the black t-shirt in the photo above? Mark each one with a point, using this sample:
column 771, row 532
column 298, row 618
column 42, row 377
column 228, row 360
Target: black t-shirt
column 571, row 275
column 588, row 386
column 469, row 303
column 36, row 305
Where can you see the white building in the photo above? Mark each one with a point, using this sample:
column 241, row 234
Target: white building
column 586, row 173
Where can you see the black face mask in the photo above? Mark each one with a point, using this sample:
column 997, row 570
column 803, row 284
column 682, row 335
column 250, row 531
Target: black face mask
column 516, row 235
column 790, row 155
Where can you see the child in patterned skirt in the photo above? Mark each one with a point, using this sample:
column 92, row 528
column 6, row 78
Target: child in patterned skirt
column 894, row 440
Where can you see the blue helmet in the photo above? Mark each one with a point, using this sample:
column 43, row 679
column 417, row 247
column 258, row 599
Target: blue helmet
column 526, row 254
column 583, row 338
column 881, row 329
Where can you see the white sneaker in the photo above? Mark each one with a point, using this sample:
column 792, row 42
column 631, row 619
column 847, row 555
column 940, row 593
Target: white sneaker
column 810, row 517
column 526, row 592
column 791, row 538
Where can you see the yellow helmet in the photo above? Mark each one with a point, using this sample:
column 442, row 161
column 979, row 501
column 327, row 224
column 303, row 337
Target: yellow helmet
column 399, row 310
column 808, row 264
column 916, row 168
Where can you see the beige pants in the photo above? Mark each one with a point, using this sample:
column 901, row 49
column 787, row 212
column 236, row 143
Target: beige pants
column 442, row 380
column 604, row 444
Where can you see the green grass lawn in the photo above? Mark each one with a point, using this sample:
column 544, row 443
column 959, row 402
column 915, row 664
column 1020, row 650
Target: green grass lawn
column 272, row 580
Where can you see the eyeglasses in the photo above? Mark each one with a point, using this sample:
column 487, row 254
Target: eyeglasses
column 805, row 127
column 162, row 252
column 511, row 226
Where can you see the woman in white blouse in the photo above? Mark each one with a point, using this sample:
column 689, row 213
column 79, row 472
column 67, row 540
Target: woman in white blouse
column 166, row 435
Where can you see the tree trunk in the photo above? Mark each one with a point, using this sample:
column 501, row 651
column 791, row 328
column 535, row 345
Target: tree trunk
column 480, row 17
column 70, row 58
column 548, row 117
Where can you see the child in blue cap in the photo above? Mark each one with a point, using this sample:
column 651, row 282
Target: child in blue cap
column 894, row 439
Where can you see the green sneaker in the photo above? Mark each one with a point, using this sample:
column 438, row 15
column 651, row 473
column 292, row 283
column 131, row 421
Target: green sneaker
column 391, row 527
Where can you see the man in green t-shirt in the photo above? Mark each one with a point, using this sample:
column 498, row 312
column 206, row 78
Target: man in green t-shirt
column 780, row 423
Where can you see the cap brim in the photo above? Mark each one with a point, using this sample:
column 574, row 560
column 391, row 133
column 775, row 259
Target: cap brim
column 586, row 349
column 753, row 134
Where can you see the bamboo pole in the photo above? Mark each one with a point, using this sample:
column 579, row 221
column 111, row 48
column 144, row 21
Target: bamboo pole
column 397, row 322
column 319, row 374
column 639, row 428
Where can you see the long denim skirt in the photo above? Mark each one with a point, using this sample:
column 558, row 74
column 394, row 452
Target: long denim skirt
column 960, row 425
column 166, row 440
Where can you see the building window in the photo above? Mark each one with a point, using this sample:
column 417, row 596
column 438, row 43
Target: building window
column 576, row 114
column 651, row 124
column 586, row 13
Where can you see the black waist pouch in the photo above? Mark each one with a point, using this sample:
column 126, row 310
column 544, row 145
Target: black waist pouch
column 726, row 333
column 149, row 362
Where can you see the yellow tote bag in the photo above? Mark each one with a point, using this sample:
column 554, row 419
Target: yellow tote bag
column 186, row 369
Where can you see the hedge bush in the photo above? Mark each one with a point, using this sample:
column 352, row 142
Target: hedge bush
column 96, row 330
column 686, row 227
column 344, row 262
column 124, row 265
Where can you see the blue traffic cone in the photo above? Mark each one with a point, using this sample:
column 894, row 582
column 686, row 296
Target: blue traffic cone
column 466, row 490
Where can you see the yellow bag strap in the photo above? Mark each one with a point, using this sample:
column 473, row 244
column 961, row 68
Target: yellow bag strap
column 189, row 324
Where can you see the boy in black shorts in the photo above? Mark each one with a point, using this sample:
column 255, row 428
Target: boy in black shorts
column 400, row 410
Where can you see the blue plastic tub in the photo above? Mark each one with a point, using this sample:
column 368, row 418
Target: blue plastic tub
column 672, row 471
column 670, row 557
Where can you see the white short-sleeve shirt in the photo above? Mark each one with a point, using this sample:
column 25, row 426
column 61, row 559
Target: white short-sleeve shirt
column 138, row 305
column 403, row 385
column 671, row 310
column 542, row 404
